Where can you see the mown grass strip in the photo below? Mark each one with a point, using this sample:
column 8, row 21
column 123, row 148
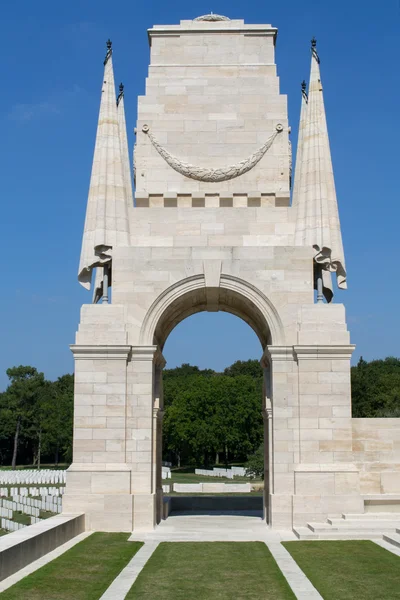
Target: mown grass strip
column 348, row 570
column 83, row 573
column 211, row 570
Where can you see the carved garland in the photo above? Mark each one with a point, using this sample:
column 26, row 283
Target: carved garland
column 212, row 175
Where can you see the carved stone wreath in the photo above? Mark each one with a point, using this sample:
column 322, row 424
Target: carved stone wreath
column 211, row 17
column 212, row 175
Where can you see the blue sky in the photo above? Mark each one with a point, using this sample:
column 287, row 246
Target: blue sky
column 51, row 69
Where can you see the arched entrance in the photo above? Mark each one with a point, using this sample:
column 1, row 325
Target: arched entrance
column 184, row 299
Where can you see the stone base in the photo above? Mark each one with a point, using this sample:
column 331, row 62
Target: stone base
column 103, row 493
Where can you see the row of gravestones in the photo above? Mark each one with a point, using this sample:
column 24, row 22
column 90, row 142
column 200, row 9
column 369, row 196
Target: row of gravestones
column 32, row 476
column 31, row 506
column 11, row 525
column 218, row 472
column 32, row 491
column 17, row 506
column 7, row 513
column 165, row 472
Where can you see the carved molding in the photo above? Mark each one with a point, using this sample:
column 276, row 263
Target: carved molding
column 211, row 17
column 212, row 175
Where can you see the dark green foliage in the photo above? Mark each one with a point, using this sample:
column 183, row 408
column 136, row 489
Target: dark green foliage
column 252, row 368
column 36, row 418
column 255, row 463
column 376, row 388
column 208, row 415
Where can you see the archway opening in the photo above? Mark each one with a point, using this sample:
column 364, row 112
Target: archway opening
column 215, row 416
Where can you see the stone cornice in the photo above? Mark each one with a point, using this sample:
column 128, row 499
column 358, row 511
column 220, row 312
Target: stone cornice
column 279, row 353
column 143, row 352
column 324, row 352
column 326, row 468
column 100, row 352
column 177, row 30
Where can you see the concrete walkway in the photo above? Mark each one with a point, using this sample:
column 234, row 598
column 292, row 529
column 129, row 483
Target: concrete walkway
column 123, row 583
column 301, row 586
column 215, row 528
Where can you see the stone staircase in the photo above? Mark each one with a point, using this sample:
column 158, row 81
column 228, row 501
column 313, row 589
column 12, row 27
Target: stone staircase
column 365, row 526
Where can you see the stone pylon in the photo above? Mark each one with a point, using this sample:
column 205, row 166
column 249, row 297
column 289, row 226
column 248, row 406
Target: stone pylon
column 110, row 190
column 314, row 195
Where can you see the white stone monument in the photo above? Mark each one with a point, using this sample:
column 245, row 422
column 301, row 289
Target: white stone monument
column 212, row 228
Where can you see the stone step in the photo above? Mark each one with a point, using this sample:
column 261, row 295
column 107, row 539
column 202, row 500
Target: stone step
column 364, row 524
column 304, row 533
column 393, row 538
column 369, row 516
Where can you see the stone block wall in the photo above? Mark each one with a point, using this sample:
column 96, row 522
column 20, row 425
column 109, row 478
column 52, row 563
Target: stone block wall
column 212, row 99
column 376, row 453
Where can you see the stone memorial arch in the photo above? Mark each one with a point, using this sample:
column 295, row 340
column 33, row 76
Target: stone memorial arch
column 212, row 227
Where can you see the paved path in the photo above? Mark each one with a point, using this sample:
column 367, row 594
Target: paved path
column 123, row 583
column 216, row 528
column 301, row 586
column 40, row 562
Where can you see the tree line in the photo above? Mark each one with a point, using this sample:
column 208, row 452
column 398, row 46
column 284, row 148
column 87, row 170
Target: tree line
column 209, row 417
column 36, row 418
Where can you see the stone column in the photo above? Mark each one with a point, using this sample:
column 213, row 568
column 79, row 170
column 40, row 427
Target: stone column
column 268, row 460
column 143, row 432
column 99, row 480
column 268, row 447
column 284, row 445
column 158, row 413
column 326, row 478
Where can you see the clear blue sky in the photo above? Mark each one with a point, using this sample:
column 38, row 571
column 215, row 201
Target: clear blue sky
column 51, row 70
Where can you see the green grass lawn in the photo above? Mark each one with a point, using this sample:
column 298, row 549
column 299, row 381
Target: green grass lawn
column 211, row 571
column 82, row 573
column 46, row 514
column 20, row 517
column 349, row 570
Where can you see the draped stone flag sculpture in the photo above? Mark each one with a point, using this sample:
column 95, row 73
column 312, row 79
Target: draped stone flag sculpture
column 212, row 227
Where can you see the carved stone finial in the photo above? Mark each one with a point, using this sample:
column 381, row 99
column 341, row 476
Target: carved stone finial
column 314, row 49
column 304, row 90
column 121, row 92
column 109, row 50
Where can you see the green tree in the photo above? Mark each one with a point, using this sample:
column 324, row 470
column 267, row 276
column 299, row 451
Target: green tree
column 251, row 367
column 206, row 415
column 255, row 463
column 21, row 396
column 59, row 422
column 376, row 387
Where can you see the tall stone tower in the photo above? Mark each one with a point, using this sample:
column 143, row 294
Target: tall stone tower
column 211, row 228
